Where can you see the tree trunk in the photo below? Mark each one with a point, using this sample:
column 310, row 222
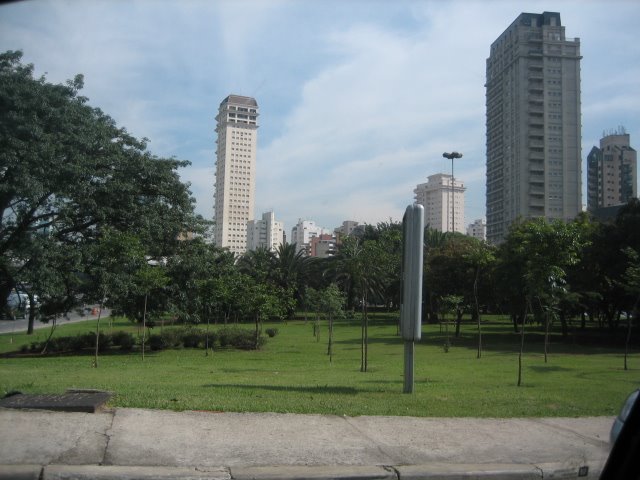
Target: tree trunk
column 477, row 312
column 144, row 325
column 630, row 315
column 53, row 327
column 257, row 330
column 365, row 336
column 206, row 337
column 514, row 319
column 524, row 320
column 32, row 313
column 563, row 324
column 458, row 321
column 546, row 336
column 330, row 347
column 95, row 359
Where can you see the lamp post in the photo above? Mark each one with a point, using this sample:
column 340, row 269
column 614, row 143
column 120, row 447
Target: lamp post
column 451, row 156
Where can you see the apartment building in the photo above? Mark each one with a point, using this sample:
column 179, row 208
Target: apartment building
column 303, row 232
column 477, row 229
column 443, row 202
column 235, row 183
column 265, row 233
column 533, row 127
column 612, row 171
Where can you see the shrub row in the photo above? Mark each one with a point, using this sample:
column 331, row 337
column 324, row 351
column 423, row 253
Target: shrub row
column 185, row 337
column 85, row 341
column 192, row 337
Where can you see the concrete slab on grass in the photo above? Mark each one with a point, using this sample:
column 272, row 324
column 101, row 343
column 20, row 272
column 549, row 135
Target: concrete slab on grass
column 74, row 401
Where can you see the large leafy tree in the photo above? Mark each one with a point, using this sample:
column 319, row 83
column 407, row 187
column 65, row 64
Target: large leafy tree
column 67, row 172
column 541, row 252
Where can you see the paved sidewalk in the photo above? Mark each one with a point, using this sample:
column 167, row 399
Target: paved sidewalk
column 137, row 443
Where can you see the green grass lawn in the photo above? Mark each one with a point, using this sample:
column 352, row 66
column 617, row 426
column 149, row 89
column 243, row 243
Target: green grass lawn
column 292, row 373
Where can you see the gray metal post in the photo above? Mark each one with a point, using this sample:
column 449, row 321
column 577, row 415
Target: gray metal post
column 411, row 308
column 409, row 362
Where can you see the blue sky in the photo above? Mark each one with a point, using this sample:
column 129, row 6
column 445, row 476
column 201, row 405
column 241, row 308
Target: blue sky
column 358, row 99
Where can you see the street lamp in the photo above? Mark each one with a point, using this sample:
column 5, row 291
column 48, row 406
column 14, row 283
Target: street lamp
column 451, row 156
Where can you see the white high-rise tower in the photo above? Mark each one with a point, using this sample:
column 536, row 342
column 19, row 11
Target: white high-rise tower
column 237, row 129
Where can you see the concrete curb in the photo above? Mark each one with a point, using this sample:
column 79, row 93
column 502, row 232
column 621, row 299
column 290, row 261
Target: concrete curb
column 110, row 472
column 20, row 472
column 431, row 471
column 315, row 472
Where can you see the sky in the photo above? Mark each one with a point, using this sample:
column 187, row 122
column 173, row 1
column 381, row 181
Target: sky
column 357, row 99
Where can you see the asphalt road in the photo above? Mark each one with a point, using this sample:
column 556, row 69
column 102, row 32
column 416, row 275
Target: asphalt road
column 20, row 325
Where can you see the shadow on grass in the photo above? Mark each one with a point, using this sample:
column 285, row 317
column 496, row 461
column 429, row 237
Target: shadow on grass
column 548, row 368
column 287, row 388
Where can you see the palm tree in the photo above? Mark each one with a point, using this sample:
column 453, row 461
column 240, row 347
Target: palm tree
column 258, row 264
column 290, row 270
column 355, row 268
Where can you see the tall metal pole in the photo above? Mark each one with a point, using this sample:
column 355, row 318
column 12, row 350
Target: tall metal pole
column 452, row 156
column 453, row 198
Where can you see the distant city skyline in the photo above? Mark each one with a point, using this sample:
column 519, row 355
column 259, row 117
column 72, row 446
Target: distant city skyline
column 358, row 99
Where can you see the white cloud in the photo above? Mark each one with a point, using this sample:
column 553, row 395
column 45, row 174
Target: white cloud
column 358, row 99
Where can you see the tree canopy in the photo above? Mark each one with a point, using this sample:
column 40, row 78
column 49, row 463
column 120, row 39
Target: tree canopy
column 68, row 173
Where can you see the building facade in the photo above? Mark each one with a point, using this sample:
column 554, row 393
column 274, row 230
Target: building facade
column 303, row 232
column 443, row 205
column 323, row 246
column 533, row 124
column 477, row 229
column 265, row 233
column 612, row 172
column 346, row 228
column 235, row 184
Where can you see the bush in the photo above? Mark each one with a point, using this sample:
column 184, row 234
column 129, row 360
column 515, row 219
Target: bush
column 272, row 332
column 172, row 337
column 124, row 340
column 239, row 338
column 156, row 342
column 192, row 337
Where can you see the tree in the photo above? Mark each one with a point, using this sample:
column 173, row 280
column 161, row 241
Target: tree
column 67, row 172
column 148, row 278
column 481, row 257
column 290, row 272
column 450, row 304
column 356, row 268
column 632, row 285
column 543, row 251
column 112, row 264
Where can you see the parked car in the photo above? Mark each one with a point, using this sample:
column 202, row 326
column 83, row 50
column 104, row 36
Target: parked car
column 625, row 442
column 622, row 417
column 18, row 304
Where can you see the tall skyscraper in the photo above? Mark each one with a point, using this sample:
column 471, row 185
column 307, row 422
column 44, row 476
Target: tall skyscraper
column 442, row 204
column 237, row 129
column 533, row 124
column 612, row 171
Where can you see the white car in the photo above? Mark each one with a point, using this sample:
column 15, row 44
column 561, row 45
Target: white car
column 18, row 304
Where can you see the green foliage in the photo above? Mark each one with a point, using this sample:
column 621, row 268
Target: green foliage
column 238, row 338
column 271, row 332
column 68, row 174
column 124, row 340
